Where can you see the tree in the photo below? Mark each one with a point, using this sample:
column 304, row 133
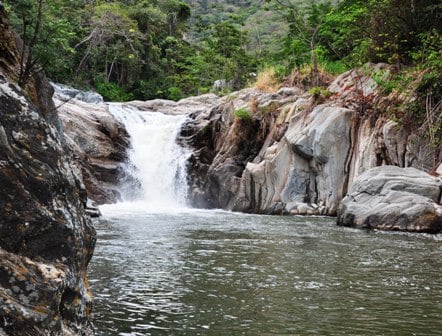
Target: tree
column 226, row 48
column 379, row 31
column 112, row 46
column 46, row 36
column 305, row 22
column 28, row 15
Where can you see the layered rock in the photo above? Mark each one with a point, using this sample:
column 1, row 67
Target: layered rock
column 394, row 198
column 225, row 144
column 46, row 240
column 100, row 145
column 299, row 153
column 195, row 105
column 315, row 154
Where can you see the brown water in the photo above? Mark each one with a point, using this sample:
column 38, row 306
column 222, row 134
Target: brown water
column 217, row 273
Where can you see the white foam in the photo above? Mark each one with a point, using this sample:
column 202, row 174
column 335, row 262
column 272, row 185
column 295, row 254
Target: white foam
column 157, row 162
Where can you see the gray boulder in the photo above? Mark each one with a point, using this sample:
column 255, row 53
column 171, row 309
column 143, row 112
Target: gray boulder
column 393, row 198
column 67, row 93
column 222, row 84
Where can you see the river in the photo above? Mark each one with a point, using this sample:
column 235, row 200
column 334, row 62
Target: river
column 196, row 272
column 160, row 268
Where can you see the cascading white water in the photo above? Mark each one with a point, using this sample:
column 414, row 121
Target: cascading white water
column 156, row 161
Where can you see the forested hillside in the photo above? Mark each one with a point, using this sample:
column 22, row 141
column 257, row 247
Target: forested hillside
column 265, row 27
column 144, row 49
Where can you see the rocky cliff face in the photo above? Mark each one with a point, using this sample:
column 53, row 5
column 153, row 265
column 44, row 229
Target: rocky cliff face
column 299, row 153
column 46, row 240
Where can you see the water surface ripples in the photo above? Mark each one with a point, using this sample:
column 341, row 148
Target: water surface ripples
column 193, row 272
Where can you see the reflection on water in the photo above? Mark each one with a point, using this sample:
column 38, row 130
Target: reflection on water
column 216, row 273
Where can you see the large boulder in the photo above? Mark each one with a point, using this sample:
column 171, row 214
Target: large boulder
column 393, row 198
column 100, row 145
column 305, row 172
column 46, row 240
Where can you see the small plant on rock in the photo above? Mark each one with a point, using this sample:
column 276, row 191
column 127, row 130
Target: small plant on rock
column 242, row 114
column 318, row 92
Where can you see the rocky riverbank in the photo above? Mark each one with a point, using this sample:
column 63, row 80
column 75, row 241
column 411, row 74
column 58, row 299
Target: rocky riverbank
column 298, row 152
column 394, row 199
column 291, row 151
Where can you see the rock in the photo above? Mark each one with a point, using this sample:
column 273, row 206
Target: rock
column 224, row 145
column 92, row 209
column 289, row 92
column 46, row 239
column 188, row 105
column 296, row 152
column 100, row 143
column 439, row 169
column 67, row 93
column 306, row 171
column 222, row 85
column 356, row 85
column 155, row 105
column 394, row 198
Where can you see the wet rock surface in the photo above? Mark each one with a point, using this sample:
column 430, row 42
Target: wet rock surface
column 393, row 198
column 46, row 240
column 67, row 93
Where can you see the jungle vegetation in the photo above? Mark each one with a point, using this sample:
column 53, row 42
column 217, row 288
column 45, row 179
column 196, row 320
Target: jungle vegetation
column 144, row 49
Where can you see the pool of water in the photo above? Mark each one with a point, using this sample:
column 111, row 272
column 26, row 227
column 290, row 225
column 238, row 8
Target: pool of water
column 195, row 272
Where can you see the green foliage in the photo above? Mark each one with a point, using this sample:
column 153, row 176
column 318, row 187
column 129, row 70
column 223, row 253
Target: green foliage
column 126, row 46
column 147, row 49
column 47, row 34
column 175, row 93
column 354, row 32
column 318, row 91
column 242, row 114
column 384, row 80
column 333, row 67
column 429, row 83
column 112, row 92
column 264, row 27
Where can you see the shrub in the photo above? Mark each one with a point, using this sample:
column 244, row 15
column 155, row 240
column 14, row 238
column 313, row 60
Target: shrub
column 242, row 114
column 267, row 80
column 318, row 91
column 174, row 93
column 112, row 92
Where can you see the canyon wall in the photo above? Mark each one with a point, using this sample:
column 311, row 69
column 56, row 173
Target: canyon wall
column 298, row 152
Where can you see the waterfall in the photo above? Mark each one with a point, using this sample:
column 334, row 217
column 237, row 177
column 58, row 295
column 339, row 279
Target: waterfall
column 156, row 161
